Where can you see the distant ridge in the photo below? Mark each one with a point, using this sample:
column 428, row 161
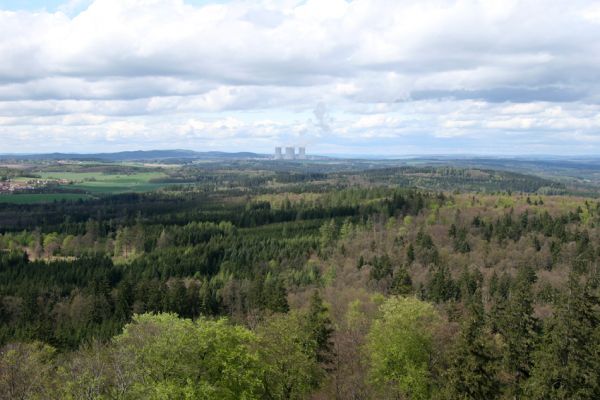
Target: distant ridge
column 137, row 155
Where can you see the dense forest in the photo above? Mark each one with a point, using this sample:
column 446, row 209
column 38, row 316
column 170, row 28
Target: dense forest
column 237, row 282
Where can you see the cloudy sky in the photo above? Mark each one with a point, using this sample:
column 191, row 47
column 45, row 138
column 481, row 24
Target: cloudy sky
column 385, row 77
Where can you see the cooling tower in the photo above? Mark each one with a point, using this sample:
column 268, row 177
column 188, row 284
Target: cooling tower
column 301, row 153
column 290, row 153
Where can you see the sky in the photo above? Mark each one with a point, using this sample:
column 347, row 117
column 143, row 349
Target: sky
column 372, row 77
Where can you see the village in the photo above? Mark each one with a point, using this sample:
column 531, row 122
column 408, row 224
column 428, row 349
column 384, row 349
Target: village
column 14, row 186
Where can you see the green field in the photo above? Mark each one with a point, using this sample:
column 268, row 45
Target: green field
column 93, row 183
column 41, row 197
column 99, row 183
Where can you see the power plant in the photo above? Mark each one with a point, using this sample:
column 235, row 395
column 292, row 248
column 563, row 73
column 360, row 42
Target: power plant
column 290, row 153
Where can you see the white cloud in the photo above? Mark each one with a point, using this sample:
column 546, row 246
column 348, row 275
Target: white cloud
column 591, row 13
column 146, row 71
column 120, row 130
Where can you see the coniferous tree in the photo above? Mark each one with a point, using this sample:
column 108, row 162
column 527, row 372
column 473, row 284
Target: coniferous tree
column 519, row 328
column 410, row 253
column 124, row 301
column 401, row 282
column 567, row 363
column 275, row 295
column 473, row 366
column 441, row 287
column 320, row 328
column 208, row 302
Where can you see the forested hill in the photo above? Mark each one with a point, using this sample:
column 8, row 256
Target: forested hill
column 466, row 179
column 149, row 155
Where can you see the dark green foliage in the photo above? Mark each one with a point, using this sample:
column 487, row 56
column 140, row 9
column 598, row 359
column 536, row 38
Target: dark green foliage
column 520, row 330
column 460, row 242
column 567, row 362
column 410, row 253
column 401, row 282
column 275, row 295
column 474, row 364
column 381, row 267
column 320, row 328
column 441, row 287
column 425, row 250
column 470, row 282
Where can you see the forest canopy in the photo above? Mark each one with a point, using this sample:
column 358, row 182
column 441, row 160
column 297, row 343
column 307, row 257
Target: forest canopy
column 243, row 283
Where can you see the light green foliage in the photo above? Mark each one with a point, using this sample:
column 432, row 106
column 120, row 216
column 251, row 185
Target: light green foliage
column 93, row 372
column 174, row 358
column 51, row 242
column 329, row 275
column 400, row 345
column 391, row 224
column 505, row 202
column 26, row 371
column 585, row 216
column 291, row 368
column 347, row 230
column 434, row 214
column 328, row 233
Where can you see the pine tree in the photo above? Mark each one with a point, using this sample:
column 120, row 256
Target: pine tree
column 441, row 287
column 320, row 328
column 102, row 306
column 410, row 253
column 519, row 328
column 473, row 368
column 124, row 301
column 208, row 303
column 401, row 283
column 567, row 364
column 275, row 295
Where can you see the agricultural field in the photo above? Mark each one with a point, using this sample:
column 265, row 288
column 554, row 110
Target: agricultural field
column 103, row 183
column 55, row 182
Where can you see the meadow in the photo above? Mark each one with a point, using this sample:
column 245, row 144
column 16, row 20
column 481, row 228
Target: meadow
column 103, row 183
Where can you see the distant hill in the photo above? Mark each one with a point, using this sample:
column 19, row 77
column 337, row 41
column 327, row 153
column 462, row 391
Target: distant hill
column 139, row 155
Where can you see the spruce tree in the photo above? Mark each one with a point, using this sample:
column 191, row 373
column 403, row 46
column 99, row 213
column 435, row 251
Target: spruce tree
column 320, row 328
column 473, row 366
column 519, row 328
column 567, row 364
